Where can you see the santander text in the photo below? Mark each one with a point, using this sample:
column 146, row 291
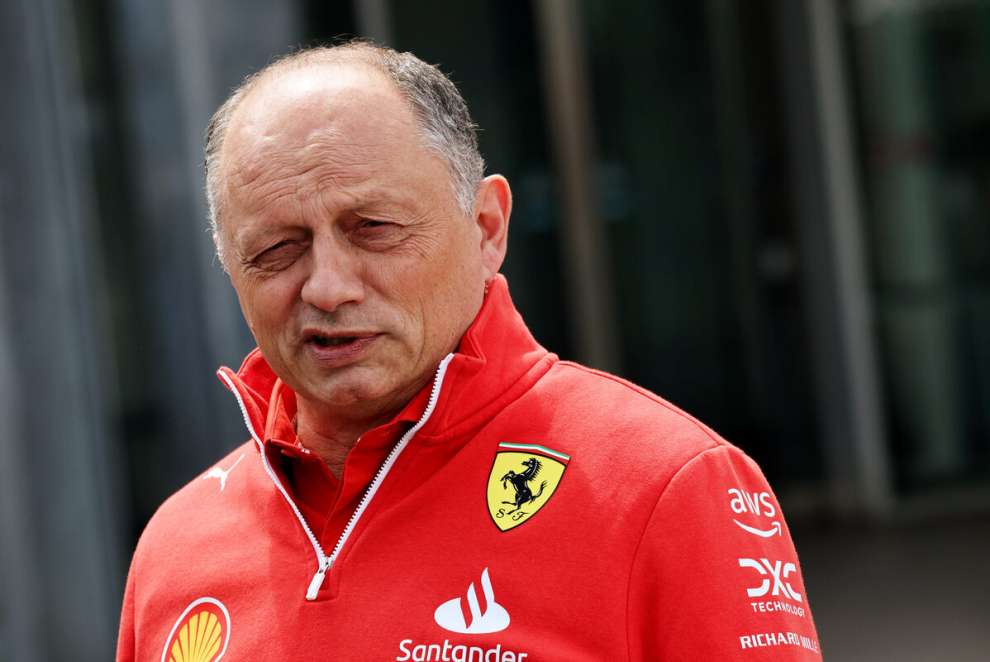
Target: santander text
column 448, row 652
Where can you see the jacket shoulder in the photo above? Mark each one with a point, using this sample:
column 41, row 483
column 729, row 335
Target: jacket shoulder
column 618, row 425
column 197, row 503
column 616, row 403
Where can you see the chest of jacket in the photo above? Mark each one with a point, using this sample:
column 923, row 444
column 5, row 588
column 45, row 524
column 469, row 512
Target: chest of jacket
column 482, row 558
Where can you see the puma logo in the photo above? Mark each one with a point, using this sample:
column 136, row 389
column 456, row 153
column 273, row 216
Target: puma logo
column 221, row 474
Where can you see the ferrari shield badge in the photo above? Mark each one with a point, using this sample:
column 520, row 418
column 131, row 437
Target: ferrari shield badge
column 523, row 478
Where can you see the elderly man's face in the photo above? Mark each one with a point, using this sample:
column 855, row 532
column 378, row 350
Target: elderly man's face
column 355, row 268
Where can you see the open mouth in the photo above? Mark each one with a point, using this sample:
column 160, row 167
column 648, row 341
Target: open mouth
column 336, row 341
column 334, row 345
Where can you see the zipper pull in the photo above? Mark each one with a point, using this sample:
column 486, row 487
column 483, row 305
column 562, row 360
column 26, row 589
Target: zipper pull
column 321, row 574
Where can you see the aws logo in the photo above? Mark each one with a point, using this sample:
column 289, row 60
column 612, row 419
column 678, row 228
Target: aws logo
column 200, row 634
column 759, row 504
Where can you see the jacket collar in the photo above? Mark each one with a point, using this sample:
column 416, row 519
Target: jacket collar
column 496, row 361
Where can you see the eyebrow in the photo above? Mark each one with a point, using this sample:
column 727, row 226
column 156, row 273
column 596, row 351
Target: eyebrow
column 247, row 239
column 388, row 201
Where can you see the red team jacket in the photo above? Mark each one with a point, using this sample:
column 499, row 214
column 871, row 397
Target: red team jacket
column 520, row 508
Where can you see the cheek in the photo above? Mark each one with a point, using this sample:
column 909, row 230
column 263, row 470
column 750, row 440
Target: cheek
column 266, row 305
column 453, row 294
column 434, row 293
column 459, row 270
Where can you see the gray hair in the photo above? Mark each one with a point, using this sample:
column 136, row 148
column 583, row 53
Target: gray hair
column 439, row 108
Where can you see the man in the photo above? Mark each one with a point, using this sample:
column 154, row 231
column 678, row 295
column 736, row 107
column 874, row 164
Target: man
column 423, row 480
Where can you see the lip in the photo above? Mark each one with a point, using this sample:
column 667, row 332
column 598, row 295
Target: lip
column 333, row 356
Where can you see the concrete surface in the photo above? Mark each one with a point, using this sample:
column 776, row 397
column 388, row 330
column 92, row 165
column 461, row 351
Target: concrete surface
column 906, row 593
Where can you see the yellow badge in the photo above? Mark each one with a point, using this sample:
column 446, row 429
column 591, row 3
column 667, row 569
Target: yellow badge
column 200, row 634
column 523, row 478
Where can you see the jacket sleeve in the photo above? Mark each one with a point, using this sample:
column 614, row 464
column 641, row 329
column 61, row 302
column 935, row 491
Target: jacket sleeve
column 125, row 635
column 716, row 576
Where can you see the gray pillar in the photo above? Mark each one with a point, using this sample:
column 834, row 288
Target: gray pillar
column 568, row 101
column 61, row 569
column 834, row 271
column 916, row 302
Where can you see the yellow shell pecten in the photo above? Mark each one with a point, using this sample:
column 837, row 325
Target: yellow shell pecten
column 200, row 634
column 199, row 639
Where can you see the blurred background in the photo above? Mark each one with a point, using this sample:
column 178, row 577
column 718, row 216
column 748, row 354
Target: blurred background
column 774, row 213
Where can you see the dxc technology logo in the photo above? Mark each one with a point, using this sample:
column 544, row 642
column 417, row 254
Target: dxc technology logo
column 778, row 572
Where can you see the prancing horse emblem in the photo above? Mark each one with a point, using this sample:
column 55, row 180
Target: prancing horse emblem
column 520, row 483
column 518, row 470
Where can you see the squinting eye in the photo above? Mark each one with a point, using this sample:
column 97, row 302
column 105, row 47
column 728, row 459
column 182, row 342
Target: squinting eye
column 377, row 235
column 278, row 255
column 275, row 248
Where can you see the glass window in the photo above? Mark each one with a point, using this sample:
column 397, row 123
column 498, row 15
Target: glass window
column 924, row 109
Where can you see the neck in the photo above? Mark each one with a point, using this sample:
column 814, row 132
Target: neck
column 331, row 438
column 331, row 432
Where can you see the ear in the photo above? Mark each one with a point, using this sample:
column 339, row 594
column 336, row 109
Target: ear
column 492, row 207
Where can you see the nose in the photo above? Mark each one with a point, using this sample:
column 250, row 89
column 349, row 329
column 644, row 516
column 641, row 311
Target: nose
column 334, row 278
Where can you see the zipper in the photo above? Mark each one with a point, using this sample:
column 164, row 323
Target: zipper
column 323, row 561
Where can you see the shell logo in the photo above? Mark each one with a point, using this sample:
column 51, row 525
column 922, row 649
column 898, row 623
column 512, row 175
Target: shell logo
column 200, row 634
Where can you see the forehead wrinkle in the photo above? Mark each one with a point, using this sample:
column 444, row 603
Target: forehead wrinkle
column 333, row 140
column 264, row 180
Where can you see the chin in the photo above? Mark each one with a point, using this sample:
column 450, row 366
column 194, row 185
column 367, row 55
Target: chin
column 350, row 390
